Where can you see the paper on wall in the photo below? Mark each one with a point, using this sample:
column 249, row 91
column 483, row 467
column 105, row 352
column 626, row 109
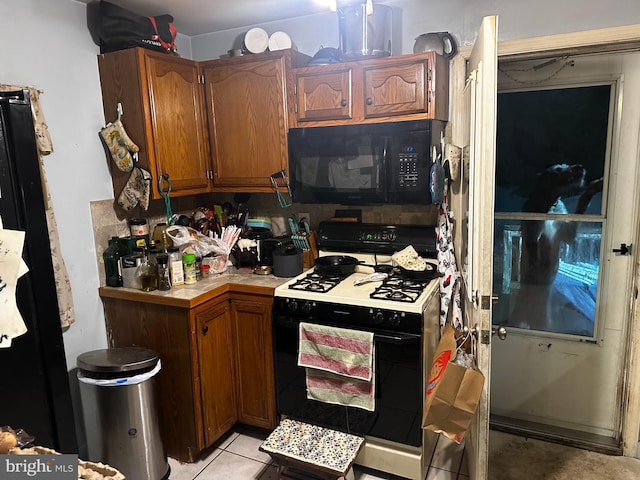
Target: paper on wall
column 12, row 267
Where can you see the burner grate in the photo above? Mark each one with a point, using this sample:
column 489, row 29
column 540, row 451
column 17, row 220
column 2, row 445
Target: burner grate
column 398, row 289
column 316, row 282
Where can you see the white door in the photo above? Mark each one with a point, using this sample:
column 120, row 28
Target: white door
column 473, row 96
column 563, row 291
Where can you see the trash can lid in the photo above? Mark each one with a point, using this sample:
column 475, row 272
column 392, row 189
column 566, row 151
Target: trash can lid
column 113, row 360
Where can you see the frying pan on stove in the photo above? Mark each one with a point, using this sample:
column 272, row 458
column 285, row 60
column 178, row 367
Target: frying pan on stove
column 336, row 265
column 428, row 274
column 345, row 265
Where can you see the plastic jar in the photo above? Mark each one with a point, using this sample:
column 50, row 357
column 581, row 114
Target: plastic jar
column 138, row 227
column 175, row 266
column 189, row 264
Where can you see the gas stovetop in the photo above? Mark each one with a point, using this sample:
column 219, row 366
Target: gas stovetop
column 392, row 294
column 390, row 301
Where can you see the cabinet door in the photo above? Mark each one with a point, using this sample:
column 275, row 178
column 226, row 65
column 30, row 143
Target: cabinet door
column 178, row 124
column 255, row 377
column 324, row 96
column 395, row 89
column 215, row 359
column 247, row 121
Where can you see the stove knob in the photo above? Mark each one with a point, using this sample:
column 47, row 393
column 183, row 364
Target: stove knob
column 394, row 319
column 378, row 318
column 293, row 305
column 306, row 307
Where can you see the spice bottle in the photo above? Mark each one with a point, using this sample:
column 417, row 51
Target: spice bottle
column 189, row 264
column 138, row 227
column 164, row 278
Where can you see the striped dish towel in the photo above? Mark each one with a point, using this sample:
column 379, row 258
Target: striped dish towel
column 339, row 365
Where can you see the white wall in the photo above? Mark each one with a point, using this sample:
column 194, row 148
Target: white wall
column 517, row 19
column 46, row 44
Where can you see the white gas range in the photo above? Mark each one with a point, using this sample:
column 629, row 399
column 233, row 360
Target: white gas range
column 397, row 310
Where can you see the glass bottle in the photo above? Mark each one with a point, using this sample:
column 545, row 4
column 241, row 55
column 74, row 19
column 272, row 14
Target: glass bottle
column 147, row 275
column 112, row 270
column 164, row 278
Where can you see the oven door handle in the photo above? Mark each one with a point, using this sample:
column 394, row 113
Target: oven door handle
column 396, row 338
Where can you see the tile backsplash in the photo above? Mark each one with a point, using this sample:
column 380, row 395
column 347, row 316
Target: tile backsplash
column 109, row 222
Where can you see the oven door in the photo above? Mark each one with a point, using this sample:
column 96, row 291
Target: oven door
column 398, row 375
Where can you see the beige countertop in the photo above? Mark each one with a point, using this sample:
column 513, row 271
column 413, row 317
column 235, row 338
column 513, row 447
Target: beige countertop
column 241, row 280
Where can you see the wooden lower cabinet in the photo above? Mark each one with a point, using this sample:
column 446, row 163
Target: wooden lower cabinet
column 217, row 364
column 255, row 382
column 216, row 367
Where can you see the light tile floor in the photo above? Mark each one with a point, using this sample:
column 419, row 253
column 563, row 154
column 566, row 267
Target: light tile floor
column 236, row 457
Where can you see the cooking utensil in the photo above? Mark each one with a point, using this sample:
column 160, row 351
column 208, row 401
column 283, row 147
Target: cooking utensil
column 336, row 265
column 428, row 274
column 373, row 277
column 299, row 239
column 365, row 268
column 287, row 262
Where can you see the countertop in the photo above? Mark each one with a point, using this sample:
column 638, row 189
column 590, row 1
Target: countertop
column 241, row 280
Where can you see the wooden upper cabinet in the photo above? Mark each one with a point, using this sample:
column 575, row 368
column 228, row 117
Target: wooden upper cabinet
column 395, row 90
column 163, row 113
column 178, row 122
column 247, row 106
column 406, row 87
column 324, row 95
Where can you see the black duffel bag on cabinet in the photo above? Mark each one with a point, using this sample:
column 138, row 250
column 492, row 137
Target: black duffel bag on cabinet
column 116, row 28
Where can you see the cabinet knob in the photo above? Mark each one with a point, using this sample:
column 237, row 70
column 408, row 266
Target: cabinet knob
column 343, row 103
column 205, row 329
column 369, row 101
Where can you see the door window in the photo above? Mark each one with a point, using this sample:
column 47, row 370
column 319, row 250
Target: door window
column 551, row 163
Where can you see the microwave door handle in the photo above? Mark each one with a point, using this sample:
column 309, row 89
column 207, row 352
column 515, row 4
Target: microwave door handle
column 386, row 170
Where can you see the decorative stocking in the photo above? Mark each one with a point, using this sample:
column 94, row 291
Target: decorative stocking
column 137, row 190
column 120, row 145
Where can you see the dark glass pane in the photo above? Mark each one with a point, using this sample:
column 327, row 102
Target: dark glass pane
column 543, row 136
column 552, row 290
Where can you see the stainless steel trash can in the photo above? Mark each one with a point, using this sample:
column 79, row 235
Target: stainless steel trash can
column 119, row 407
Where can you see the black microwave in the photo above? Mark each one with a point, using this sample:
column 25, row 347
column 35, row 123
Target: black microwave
column 363, row 164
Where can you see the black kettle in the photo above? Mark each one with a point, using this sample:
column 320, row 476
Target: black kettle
column 442, row 43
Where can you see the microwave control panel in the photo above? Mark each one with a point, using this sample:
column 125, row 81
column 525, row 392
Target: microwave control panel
column 408, row 169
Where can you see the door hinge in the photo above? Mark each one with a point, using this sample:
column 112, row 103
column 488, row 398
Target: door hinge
column 295, row 89
column 485, row 337
column 295, row 108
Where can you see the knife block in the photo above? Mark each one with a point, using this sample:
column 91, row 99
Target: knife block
column 309, row 256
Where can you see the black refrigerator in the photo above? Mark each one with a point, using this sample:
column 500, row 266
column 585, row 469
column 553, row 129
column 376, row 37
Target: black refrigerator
column 34, row 383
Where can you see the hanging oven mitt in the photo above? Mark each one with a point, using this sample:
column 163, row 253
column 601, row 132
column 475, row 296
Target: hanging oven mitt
column 137, row 190
column 436, row 182
column 120, row 145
